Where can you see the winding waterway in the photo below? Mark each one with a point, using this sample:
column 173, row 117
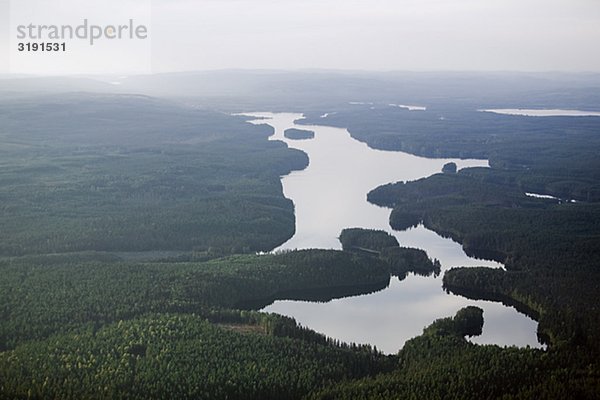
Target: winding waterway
column 330, row 195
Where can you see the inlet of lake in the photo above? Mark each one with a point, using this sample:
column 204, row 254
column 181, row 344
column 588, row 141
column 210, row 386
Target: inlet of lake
column 330, row 195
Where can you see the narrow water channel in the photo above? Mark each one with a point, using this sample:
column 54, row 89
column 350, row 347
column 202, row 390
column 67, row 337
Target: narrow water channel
column 330, row 195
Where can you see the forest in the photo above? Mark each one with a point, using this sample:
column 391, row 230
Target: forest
column 400, row 260
column 91, row 172
column 298, row 134
column 133, row 232
column 551, row 251
column 552, row 155
column 550, row 246
column 43, row 295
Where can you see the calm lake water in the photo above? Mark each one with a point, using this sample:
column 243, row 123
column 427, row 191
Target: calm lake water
column 543, row 112
column 330, row 195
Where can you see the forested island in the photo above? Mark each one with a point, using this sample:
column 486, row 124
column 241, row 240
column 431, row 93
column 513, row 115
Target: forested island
column 298, row 134
column 400, row 260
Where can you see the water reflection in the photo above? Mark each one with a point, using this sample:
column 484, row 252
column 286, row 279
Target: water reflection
column 329, row 195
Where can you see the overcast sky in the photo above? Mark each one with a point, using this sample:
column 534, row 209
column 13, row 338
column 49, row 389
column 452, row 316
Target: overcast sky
column 522, row 35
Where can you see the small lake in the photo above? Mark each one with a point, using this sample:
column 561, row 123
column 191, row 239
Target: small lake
column 330, row 195
column 543, row 112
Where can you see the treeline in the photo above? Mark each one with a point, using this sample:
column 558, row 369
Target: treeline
column 559, row 306
column 131, row 173
column 550, row 247
column 368, row 240
column 442, row 364
column 551, row 250
column 92, row 326
column 298, row 134
column 486, row 216
column 135, row 174
column 39, row 298
column 177, row 356
column 552, row 155
column 378, row 243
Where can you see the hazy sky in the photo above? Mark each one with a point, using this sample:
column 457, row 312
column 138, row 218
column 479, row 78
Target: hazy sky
column 530, row 35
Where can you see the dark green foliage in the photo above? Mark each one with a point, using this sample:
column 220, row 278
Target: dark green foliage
column 469, row 321
column 130, row 173
column 400, row 260
column 39, row 298
column 551, row 251
column 70, row 305
column 298, row 134
column 566, row 320
column 154, row 180
column 177, row 356
column 550, row 248
column 441, row 364
column 443, row 190
column 405, row 220
column 366, row 239
column 554, row 155
column 403, row 260
column 111, row 182
column 449, row 168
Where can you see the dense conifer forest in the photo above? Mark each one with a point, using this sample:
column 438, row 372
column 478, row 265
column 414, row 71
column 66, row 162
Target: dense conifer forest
column 133, row 232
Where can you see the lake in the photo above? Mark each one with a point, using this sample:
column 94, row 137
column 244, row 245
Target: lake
column 543, row 112
column 330, row 195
